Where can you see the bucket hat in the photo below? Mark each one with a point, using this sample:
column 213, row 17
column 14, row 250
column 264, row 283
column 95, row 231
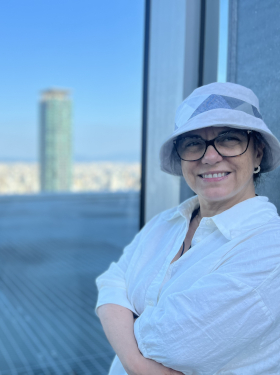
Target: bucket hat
column 218, row 104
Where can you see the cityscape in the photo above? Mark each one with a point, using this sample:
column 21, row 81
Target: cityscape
column 55, row 171
column 23, row 178
column 70, row 176
column 67, row 240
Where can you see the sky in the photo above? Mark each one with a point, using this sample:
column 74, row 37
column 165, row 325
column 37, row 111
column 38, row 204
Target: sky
column 92, row 47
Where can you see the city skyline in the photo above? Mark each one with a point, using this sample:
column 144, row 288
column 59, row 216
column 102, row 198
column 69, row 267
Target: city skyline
column 23, row 178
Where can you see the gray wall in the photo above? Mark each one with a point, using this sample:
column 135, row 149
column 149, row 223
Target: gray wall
column 191, row 66
column 208, row 43
column 170, row 33
column 210, row 58
column 254, row 54
column 183, row 52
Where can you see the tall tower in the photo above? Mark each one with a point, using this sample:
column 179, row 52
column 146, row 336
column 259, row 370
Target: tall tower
column 55, row 140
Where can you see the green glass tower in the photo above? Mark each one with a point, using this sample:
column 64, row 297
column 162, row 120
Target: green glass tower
column 55, row 140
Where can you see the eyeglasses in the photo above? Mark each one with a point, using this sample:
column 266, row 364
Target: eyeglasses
column 228, row 144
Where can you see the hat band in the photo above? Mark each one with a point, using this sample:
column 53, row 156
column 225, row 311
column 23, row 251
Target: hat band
column 221, row 101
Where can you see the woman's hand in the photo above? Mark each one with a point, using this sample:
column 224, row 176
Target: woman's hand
column 149, row 367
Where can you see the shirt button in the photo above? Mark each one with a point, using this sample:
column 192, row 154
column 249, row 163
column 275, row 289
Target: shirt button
column 150, row 303
column 208, row 222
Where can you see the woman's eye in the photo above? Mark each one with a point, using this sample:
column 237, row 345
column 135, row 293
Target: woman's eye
column 192, row 144
column 227, row 139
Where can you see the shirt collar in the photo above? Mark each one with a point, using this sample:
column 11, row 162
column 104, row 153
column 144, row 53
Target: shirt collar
column 244, row 216
column 185, row 209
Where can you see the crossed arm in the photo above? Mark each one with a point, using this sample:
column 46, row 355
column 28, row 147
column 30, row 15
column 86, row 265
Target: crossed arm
column 118, row 325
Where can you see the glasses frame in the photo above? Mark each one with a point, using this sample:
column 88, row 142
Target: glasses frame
column 211, row 143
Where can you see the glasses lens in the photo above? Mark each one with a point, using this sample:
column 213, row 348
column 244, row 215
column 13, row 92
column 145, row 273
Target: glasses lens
column 232, row 143
column 190, row 148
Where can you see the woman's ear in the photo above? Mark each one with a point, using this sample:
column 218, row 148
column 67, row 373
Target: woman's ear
column 259, row 153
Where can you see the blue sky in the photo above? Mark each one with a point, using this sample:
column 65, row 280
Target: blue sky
column 94, row 48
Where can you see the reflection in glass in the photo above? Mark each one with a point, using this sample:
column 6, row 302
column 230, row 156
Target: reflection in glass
column 223, row 41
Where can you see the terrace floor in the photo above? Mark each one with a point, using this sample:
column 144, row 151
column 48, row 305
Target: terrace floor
column 52, row 248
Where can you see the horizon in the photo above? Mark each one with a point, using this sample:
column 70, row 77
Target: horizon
column 78, row 159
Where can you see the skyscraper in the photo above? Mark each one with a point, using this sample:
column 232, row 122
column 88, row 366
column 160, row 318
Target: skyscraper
column 55, row 140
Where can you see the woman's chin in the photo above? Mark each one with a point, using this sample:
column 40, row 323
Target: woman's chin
column 214, row 194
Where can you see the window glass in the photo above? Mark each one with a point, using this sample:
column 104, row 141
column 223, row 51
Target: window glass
column 70, row 126
column 223, row 40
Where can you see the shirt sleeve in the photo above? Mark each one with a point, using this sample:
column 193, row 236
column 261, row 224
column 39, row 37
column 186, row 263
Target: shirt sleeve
column 199, row 330
column 111, row 284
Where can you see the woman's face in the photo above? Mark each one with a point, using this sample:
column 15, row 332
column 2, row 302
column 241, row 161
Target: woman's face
column 237, row 185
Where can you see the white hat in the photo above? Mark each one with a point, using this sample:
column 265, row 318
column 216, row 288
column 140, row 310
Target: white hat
column 218, row 104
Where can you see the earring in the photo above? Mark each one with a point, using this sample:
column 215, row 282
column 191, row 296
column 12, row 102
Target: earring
column 257, row 170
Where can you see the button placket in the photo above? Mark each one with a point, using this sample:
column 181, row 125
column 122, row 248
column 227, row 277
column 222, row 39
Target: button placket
column 150, row 300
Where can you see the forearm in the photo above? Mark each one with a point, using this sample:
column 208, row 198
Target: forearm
column 118, row 325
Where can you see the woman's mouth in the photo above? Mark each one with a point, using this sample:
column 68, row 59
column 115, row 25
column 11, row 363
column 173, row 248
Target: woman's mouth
column 214, row 175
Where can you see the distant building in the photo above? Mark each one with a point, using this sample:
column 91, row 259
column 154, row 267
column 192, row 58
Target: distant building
column 55, row 140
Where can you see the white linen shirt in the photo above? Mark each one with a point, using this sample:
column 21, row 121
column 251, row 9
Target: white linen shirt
column 217, row 309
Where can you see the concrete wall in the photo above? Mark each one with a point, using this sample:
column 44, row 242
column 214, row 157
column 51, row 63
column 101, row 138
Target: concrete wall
column 172, row 75
column 254, row 54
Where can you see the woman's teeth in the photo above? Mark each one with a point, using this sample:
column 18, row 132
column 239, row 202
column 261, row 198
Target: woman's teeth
column 215, row 175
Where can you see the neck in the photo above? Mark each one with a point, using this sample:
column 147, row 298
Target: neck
column 211, row 208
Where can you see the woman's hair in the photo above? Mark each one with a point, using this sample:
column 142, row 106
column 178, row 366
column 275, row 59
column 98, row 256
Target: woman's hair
column 259, row 142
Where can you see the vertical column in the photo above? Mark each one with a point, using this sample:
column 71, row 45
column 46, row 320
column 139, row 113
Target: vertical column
column 253, row 61
column 211, row 42
column 202, row 49
column 194, row 61
column 170, row 74
column 181, row 53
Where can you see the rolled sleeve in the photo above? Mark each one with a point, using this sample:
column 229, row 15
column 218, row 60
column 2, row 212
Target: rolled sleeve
column 115, row 296
column 201, row 329
column 111, row 284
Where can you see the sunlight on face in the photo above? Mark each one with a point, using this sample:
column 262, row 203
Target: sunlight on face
column 237, row 184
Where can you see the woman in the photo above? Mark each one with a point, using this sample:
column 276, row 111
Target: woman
column 203, row 277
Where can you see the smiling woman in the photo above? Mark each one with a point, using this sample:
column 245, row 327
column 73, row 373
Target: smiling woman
column 203, row 278
column 229, row 143
column 228, row 152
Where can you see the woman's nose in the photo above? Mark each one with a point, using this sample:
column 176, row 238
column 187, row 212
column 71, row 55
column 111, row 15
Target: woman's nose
column 211, row 156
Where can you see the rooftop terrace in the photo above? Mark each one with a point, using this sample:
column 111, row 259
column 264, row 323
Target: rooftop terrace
column 52, row 247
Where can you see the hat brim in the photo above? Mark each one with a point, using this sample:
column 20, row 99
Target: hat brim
column 169, row 160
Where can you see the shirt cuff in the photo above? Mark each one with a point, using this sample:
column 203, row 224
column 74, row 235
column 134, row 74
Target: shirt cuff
column 113, row 295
